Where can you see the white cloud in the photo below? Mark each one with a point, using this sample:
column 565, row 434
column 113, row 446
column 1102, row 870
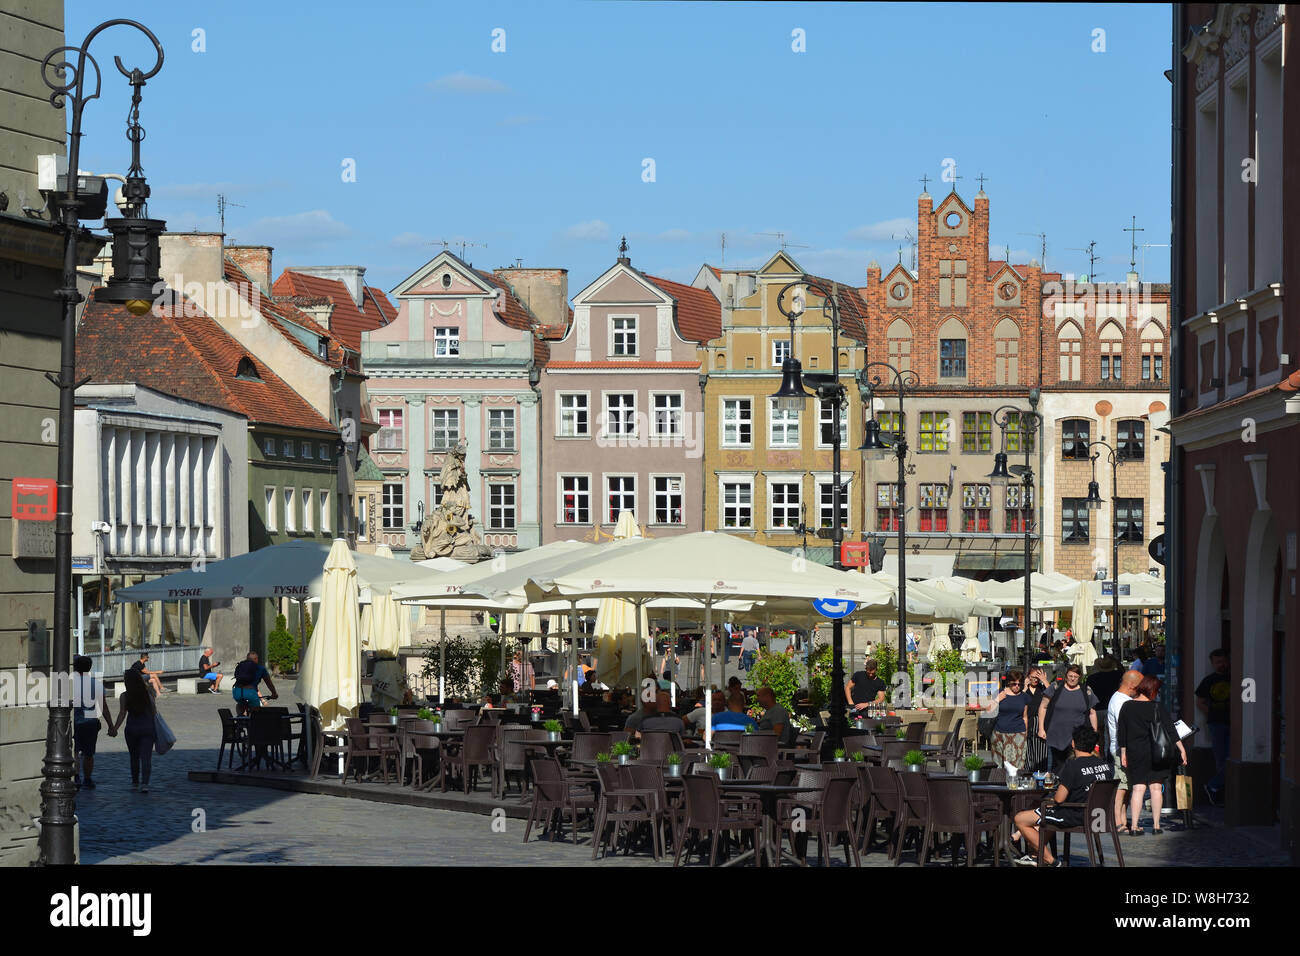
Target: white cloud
column 313, row 226
column 462, row 82
column 592, row 229
column 886, row 229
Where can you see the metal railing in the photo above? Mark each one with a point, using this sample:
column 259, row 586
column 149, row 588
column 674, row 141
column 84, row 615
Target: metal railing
column 169, row 658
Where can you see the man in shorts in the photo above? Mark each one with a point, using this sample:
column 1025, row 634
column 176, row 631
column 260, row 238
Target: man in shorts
column 248, row 674
column 208, row 671
column 1074, row 780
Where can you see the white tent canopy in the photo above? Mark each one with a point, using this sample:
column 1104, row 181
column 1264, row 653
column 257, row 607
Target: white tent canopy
column 295, row 569
column 1144, row 591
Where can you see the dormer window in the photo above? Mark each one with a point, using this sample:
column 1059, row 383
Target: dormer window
column 323, row 347
column 247, row 371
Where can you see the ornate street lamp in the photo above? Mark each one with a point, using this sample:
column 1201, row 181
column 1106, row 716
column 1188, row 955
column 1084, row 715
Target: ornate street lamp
column 875, row 448
column 1095, row 501
column 792, row 396
column 1028, row 425
column 136, row 249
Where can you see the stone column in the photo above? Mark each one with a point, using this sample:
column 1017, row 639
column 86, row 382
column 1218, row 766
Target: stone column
column 417, row 488
column 530, row 470
column 474, row 451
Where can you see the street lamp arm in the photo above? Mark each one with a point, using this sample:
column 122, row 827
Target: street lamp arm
column 61, row 68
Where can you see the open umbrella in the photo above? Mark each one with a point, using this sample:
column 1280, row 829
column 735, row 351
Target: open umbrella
column 331, row 672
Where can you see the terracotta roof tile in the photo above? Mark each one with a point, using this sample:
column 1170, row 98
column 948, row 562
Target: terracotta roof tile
column 347, row 321
column 285, row 312
column 516, row 315
column 699, row 314
column 179, row 350
column 853, row 309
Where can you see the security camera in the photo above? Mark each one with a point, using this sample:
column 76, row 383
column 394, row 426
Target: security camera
column 100, row 527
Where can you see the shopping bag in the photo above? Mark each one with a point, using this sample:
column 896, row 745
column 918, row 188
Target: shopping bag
column 163, row 736
column 1183, row 789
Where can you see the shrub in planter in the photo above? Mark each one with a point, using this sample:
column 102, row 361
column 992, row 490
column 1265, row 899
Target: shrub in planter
column 973, row 763
column 552, row 726
column 914, row 758
column 839, row 754
column 281, row 648
column 719, row 761
column 858, row 756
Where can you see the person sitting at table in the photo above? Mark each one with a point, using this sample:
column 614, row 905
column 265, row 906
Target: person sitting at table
column 506, row 693
column 775, row 717
column 695, row 719
column 734, row 717
column 662, row 718
column 1075, row 779
column 633, row 722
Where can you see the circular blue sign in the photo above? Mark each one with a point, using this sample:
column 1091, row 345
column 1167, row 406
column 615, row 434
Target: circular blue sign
column 834, row 609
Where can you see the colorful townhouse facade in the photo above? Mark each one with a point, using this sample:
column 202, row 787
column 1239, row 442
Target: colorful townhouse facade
column 622, row 416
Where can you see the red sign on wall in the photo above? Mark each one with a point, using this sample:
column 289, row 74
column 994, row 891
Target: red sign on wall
column 34, row 499
column 855, row 554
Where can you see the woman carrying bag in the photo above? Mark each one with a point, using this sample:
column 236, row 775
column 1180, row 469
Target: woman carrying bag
column 1148, row 748
column 137, row 710
column 1035, row 746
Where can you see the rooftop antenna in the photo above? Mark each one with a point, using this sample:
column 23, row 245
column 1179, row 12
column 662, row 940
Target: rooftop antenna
column 780, row 237
column 724, row 249
column 222, row 203
column 463, row 243
column 1042, row 238
column 1091, row 249
column 1134, row 229
column 910, row 239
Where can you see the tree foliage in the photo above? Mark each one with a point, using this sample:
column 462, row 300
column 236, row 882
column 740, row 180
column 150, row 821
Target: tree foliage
column 281, row 648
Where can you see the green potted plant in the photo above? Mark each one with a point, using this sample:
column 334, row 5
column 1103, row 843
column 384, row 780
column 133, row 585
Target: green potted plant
column 859, row 756
column 721, row 763
column 623, row 751
column 901, row 734
column 602, row 758
column 915, row 760
column 839, row 755
column 553, row 729
column 424, row 713
column 973, row 764
column 674, row 765
column 435, row 718
column 880, row 727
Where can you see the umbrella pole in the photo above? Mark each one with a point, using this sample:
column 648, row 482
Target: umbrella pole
column 306, row 721
column 442, row 653
column 573, row 654
column 708, row 673
column 672, row 653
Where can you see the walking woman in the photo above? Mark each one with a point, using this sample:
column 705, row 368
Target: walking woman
column 1011, row 708
column 1136, row 723
column 137, row 710
column 1064, row 707
column 1035, row 746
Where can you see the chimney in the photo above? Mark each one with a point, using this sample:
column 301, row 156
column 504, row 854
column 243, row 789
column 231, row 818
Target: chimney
column 256, row 261
column 354, row 277
column 186, row 257
column 544, row 291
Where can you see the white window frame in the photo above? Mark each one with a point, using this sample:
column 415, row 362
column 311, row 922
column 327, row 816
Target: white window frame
column 434, row 428
column 323, row 452
column 620, row 334
column 781, row 350
column 783, row 479
column 512, row 507
column 268, row 446
column 735, row 479
column 513, row 430
column 381, row 441
column 678, row 424
column 363, row 518
column 846, row 498
column 747, row 419
column 655, row 495
column 605, row 433
column 386, row 506
column 290, row 511
column 446, row 346
column 619, row 476
column 272, row 494
column 560, row 411
column 304, row 448
column 325, row 520
column 828, row 420
column 286, row 448
column 784, row 421
column 559, row 498
column 308, row 512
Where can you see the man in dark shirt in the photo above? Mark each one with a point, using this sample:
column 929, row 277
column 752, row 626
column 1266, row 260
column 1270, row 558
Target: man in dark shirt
column 1076, row 778
column 208, row 671
column 865, row 688
column 663, row 718
column 1212, row 696
column 1104, row 681
column 151, row 676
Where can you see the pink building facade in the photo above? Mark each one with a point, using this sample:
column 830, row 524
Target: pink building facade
column 460, row 362
column 621, row 412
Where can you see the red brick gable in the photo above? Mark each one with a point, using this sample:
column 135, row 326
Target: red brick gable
column 179, row 350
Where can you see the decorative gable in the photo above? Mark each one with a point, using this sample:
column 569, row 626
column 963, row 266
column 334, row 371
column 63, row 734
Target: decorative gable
column 781, row 265
column 952, row 218
column 445, row 275
column 1007, row 287
column 899, row 287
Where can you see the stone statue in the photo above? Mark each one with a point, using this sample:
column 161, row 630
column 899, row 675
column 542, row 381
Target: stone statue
column 449, row 531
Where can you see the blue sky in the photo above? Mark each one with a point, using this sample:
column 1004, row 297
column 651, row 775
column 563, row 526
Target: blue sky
column 538, row 152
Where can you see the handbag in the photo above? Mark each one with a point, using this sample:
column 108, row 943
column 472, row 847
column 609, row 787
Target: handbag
column 163, row 738
column 1162, row 747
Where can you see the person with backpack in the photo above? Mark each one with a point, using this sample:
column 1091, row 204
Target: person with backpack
column 248, row 674
column 1148, row 749
column 1062, row 708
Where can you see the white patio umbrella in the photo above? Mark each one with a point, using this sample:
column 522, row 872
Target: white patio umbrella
column 331, row 672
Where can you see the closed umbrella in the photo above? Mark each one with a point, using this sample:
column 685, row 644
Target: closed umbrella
column 621, row 628
column 331, row 671
column 1081, row 619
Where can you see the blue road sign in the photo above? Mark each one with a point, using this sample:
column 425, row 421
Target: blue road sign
column 834, row 609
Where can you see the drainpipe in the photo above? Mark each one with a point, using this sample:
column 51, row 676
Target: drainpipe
column 1174, row 528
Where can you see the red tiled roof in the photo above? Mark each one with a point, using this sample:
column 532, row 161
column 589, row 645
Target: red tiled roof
column 516, row 315
column 648, row 365
column 347, row 322
column 699, row 314
column 284, row 312
column 179, row 350
column 853, row 309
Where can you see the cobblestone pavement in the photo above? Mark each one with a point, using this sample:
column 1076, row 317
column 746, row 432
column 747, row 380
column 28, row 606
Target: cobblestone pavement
column 257, row 825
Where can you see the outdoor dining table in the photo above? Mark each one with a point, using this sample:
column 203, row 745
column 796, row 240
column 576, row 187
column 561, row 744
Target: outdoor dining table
column 243, row 720
column 1013, row 801
column 768, row 793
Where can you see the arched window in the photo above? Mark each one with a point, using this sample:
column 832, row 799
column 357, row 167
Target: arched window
column 1070, row 345
column 720, row 362
column 1153, row 352
column 1006, row 353
column 247, row 370
column 1112, row 353
column 952, row 351
column 900, row 345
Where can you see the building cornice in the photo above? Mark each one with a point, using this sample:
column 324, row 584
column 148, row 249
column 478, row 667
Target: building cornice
column 1261, row 411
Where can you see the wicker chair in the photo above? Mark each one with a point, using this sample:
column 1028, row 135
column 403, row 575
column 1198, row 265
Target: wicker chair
column 658, row 744
column 952, row 810
column 622, row 804
column 325, row 743
column 268, row 732
column 586, row 745
column 884, row 804
column 835, row 820
column 727, row 740
column 705, row 815
column 418, row 744
column 475, row 753
column 914, row 808
column 1098, row 808
column 232, row 734
column 553, row 794
column 760, row 749
column 808, row 805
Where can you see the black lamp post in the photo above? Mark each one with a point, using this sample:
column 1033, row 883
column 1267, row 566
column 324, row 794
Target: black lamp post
column 1095, row 501
column 791, row 396
column 1028, row 424
column 875, row 448
column 135, row 275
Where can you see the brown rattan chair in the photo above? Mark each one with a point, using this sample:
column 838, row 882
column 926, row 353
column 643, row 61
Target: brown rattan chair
column 884, row 805
column 553, row 795
column 622, row 805
column 475, row 753
column 952, row 810
column 586, row 745
column 360, row 749
column 1098, row 818
column 232, row 734
column 914, row 808
column 795, row 815
column 834, row 821
column 658, row 744
column 419, row 745
column 760, row 748
column 705, row 814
